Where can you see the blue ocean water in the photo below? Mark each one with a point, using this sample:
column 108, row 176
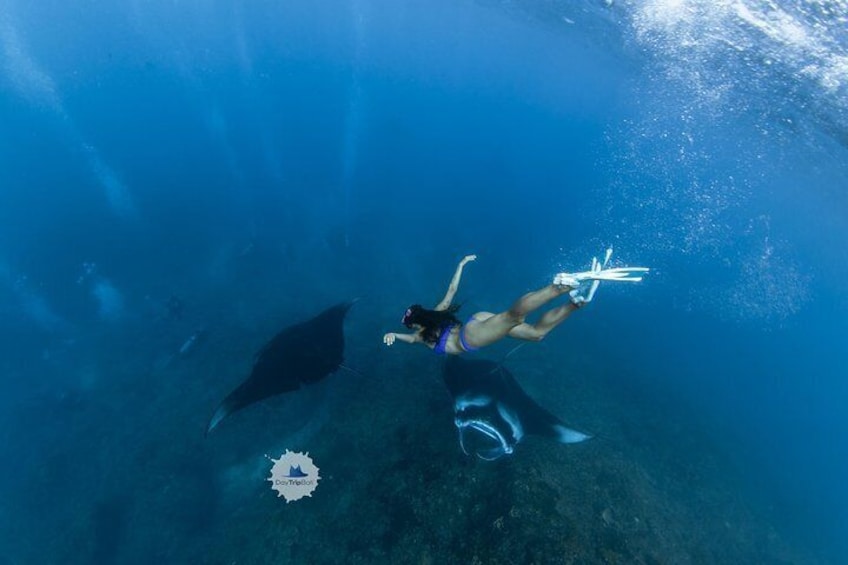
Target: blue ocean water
column 221, row 170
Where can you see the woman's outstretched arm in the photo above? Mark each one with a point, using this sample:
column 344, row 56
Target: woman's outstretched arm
column 454, row 284
column 389, row 338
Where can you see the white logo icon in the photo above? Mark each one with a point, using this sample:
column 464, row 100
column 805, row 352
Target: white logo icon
column 294, row 475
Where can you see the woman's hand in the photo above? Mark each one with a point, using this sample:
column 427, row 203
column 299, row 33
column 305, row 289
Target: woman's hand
column 389, row 338
column 468, row 259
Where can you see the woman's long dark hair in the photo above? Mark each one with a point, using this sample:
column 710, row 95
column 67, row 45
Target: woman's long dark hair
column 433, row 321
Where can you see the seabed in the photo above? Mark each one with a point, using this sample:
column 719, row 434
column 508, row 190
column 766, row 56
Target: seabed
column 129, row 478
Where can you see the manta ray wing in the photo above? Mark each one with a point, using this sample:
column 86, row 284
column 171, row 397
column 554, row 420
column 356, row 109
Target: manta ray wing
column 536, row 419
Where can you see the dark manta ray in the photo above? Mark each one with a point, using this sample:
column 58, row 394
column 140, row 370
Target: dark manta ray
column 493, row 413
column 303, row 353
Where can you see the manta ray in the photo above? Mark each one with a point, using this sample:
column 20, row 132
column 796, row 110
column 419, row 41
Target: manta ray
column 300, row 354
column 493, row 413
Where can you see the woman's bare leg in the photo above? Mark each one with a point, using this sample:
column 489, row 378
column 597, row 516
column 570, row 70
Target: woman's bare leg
column 550, row 320
column 485, row 332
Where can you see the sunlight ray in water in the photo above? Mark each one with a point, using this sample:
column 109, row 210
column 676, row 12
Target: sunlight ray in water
column 37, row 86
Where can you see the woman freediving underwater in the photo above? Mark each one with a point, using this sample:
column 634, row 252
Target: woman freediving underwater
column 441, row 331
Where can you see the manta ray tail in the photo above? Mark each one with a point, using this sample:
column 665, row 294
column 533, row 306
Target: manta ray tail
column 567, row 435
